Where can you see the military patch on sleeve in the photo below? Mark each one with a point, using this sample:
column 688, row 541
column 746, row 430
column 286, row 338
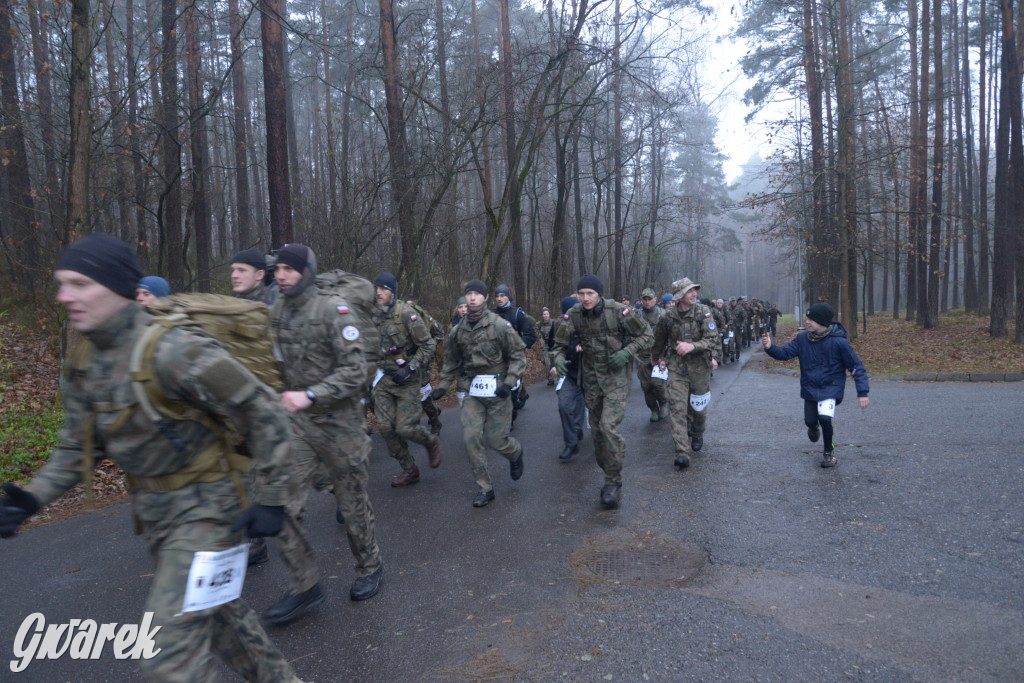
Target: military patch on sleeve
column 565, row 317
column 508, row 324
column 350, row 332
column 625, row 311
column 413, row 317
column 707, row 314
column 344, row 309
column 711, row 326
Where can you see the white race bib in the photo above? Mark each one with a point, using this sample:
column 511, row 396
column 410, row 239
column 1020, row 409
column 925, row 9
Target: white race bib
column 461, row 395
column 699, row 403
column 215, row 578
column 827, row 407
column 518, row 384
column 730, row 334
column 561, row 381
column 658, row 373
column 425, row 392
column 376, row 378
column 483, row 386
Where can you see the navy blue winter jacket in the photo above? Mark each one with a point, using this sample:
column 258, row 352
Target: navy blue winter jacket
column 823, row 364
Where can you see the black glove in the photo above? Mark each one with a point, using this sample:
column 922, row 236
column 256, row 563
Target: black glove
column 503, row 391
column 17, row 506
column 438, row 394
column 260, row 520
column 402, row 375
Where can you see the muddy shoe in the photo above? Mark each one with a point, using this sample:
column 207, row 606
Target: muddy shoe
column 407, row 477
column 813, row 433
column 829, row 459
column 610, row 495
column 682, row 461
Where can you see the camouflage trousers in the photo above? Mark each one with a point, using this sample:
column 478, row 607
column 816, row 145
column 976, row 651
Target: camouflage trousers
column 606, row 400
column 655, row 390
column 485, row 424
column 339, row 447
column 687, row 423
column 398, row 411
column 545, row 357
column 176, row 525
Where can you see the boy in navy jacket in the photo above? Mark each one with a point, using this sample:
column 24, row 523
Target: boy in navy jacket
column 825, row 355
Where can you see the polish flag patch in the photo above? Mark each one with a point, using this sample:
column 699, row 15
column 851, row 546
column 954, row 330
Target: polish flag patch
column 344, row 309
column 625, row 311
column 413, row 317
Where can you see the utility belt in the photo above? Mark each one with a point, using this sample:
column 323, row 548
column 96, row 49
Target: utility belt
column 212, row 464
column 499, row 371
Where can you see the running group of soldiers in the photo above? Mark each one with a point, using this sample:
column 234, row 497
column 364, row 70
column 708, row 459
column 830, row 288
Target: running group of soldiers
column 186, row 495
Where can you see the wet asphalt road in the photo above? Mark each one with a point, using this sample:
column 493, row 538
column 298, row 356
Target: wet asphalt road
column 905, row 563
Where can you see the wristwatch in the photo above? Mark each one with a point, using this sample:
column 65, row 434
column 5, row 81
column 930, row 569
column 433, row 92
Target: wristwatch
column 311, row 396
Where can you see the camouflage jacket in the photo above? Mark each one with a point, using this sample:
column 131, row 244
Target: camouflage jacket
column 543, row 330
column 609, row 328
column 737, row 316
column 696, row 326
column 191, row 368
column 490, row 347
column 651, row 317
column 404, row 336
column 321, row 348
column 720, row 319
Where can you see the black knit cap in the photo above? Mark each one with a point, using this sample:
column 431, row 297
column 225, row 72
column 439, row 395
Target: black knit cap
column 294, row 255
column 593, row 282
column 107, row 260
column 821, row 313
column 503, row 289
column 477, row 286
column 387, row 281
column 251, row 257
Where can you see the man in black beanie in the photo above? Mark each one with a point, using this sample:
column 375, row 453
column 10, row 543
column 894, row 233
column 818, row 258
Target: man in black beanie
column 184, row 481
column 610, row 336
column 490, row 380
column 249, row 277
column 324, row 370
column 523, row 325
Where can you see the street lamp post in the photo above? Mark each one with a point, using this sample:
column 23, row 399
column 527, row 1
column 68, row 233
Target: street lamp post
column 744, row 264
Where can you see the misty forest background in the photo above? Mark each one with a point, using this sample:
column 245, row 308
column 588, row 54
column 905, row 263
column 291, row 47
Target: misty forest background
column 527, row 143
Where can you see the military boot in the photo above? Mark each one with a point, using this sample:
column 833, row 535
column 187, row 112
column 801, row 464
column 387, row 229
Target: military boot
column 407, row 477
column 365, row 587
column 291, row 606
column 515, row 468
column 682, row 461
column 655, row 416
column 663, row 411
column 610, row 494
column 434, row 451
column 813, row 433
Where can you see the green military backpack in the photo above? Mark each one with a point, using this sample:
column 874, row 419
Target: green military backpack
column 361, row 296
column 436, row 331
column 241, row 327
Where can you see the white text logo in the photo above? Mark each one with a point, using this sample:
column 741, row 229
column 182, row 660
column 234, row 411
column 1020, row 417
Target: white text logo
column 81, row 639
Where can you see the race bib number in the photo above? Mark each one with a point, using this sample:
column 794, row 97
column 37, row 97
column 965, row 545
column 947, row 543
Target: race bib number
column 376, row 378
column 483, row 386
column 827, row 407
column 699, row 403
column 425, row 392
column 561, row 381
column 215, row 578
column 658, row 373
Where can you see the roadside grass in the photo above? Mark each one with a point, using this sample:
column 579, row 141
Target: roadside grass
column 30, row 412
column 960, row 343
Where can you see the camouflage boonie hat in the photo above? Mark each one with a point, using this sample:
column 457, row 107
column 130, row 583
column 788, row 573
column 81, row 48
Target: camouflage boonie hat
column 681, row 287
column 648, row 293
column 732, row 299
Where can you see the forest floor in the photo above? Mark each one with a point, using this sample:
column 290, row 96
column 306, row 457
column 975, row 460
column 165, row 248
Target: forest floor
column 30, row 413
column 960, row 343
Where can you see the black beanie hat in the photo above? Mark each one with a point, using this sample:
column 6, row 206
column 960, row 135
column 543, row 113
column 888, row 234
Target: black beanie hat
column 251, row 257
column 503, row 289
column 568, row 302
column 387, row 281
column 589, row 281
column 294, row 255
column 107, row 260
column 821, row 313
column 477, row 286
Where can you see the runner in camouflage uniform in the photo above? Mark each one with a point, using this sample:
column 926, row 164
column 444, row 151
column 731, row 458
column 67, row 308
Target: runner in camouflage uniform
column 489, row 358
column 183, row 501
column 603, row 327
column 325, row 374
column 407, row 356
column 543, row 327
column 655, row 389
column 686, row 341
